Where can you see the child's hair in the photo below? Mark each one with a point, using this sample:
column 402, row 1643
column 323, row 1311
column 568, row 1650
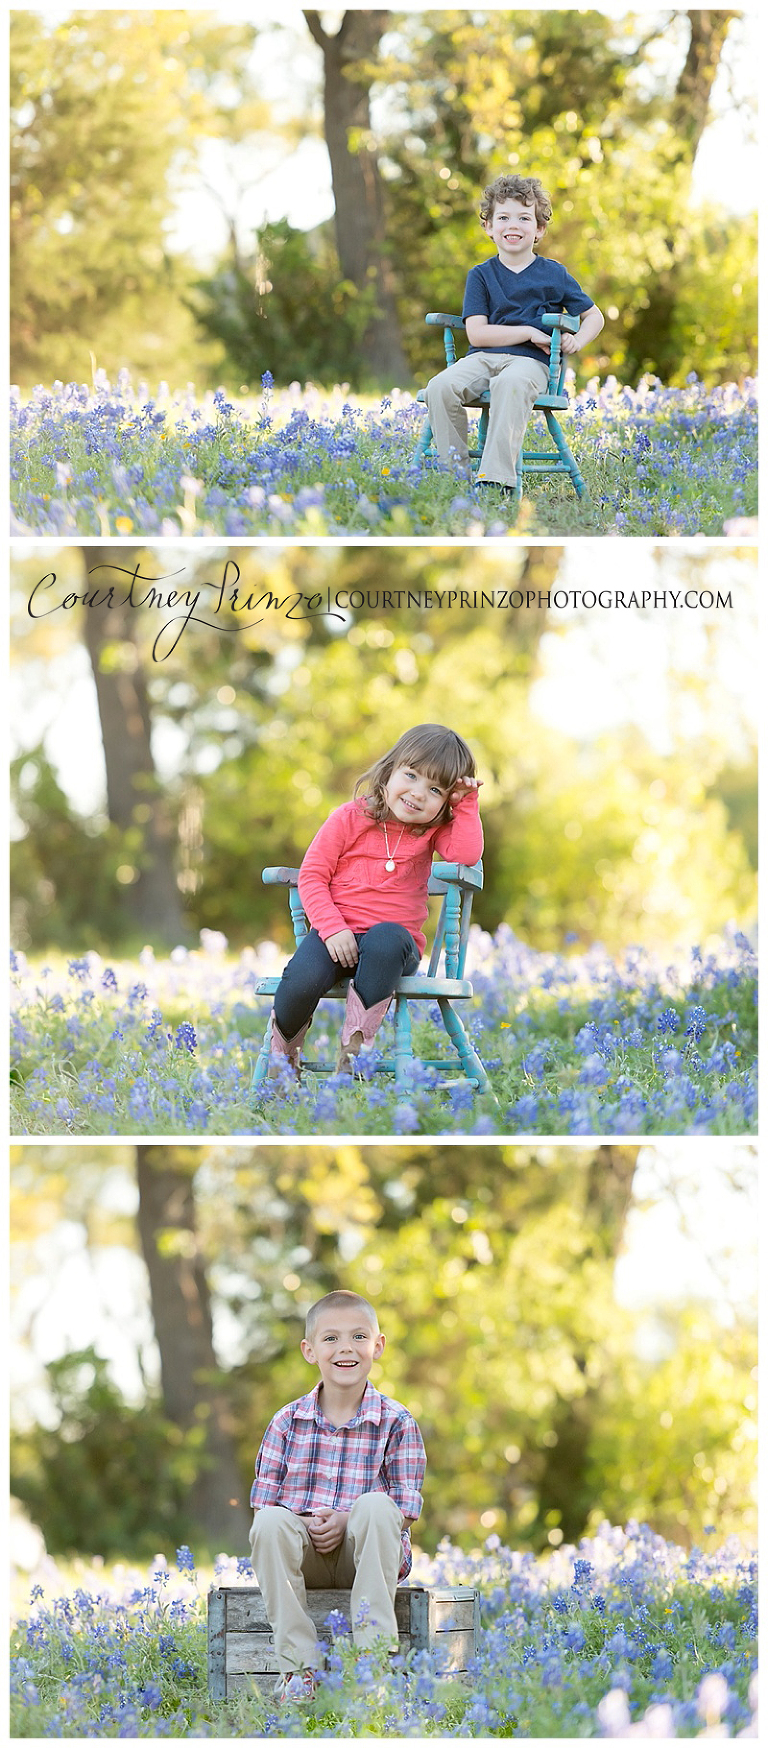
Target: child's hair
column 435, row 752
column 341, row 1300
column 527, row 189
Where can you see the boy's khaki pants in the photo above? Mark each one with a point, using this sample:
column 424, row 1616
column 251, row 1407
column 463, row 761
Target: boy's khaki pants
column 287, row 1565
column 514, row 383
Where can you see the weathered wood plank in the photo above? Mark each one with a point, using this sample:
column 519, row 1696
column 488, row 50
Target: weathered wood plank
column 453, row 1613
column 455, row 1649
column 451, row 1593
column 420, row 1619
column 246, row 1611
column 246, row 1683
column 217, row 1680
column 254, row 1652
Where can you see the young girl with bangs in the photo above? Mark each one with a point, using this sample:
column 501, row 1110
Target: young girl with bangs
column 363, row 885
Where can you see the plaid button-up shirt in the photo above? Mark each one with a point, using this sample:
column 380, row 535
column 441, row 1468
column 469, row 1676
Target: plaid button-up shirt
column 305, row 1462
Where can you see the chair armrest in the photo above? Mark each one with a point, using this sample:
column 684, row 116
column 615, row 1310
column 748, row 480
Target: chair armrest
column 571, row 324
column 469, row 879
column 449, row 325
column 280, row 876
column 556, row 324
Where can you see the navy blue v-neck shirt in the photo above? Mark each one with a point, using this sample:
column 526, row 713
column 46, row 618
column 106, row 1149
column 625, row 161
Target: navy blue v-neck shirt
column 510, row 299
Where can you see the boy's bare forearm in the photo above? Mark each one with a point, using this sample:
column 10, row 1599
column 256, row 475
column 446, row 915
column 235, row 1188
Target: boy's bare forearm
column 482, row 333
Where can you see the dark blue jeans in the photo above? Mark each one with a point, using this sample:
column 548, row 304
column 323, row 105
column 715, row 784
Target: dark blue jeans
column 386, row 952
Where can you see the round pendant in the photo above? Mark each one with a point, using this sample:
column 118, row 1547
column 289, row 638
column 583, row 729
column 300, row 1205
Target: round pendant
column 390, row 866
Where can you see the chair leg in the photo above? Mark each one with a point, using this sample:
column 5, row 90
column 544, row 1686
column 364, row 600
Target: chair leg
column 403, row 1044
column 555, row 432
column 262, row 1061
column 470, row 1061
column 482, row 432
column 518, row 485
column 424, row 443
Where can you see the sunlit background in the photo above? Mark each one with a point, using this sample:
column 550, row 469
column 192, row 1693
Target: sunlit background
column 173, row 185
column 617, row 748
column 545, row 1306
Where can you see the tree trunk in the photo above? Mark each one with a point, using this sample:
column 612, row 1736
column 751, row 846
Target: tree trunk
column 651, row 343
column 181, row 1311
column 563, row 1483
column 360, row 229
column 134, row 796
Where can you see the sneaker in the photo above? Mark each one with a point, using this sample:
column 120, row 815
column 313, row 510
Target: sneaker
column 298, row 1689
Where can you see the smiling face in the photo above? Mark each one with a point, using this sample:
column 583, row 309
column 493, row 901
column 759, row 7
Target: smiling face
column 412, row 798
column 514, row 230
column 344, row 1346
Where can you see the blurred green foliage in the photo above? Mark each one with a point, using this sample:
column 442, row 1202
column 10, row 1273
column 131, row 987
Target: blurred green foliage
column 290, row 313
column 106, row 1476
column 107, row 109
column 545, row 1405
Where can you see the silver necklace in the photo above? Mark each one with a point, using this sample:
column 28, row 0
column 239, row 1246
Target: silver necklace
column 390, row 862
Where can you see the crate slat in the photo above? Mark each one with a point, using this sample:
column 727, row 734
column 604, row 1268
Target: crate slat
column 217, row 1641
column 245, row 1609
column 450, row 1614
column 456, row 1648
column 254, row 1653
column 246, row 1683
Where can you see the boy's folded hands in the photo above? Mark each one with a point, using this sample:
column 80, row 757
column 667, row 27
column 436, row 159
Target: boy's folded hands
column 327, row 1528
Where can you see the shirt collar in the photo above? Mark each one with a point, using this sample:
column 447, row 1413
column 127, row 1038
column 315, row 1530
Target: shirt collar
column 309, row 1407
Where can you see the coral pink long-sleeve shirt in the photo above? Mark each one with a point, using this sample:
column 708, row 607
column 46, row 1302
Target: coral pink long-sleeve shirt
column 343, row 883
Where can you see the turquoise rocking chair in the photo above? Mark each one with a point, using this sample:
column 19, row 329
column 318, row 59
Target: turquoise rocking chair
column 446, row 986
column 547, row 463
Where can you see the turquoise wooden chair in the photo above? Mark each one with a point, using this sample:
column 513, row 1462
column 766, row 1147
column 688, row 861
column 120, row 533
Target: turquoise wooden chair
column 457, row 884
column 548, row 463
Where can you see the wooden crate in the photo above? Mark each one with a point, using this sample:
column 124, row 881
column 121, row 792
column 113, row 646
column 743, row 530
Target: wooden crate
column 241, row 1652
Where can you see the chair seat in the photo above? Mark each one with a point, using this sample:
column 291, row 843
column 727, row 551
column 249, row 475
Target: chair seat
column 414, row 988
column 432, row 987
column 484, row 400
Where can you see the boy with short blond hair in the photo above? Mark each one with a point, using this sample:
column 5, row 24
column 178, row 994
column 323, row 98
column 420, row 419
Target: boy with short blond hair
column 338, row 1484
column 504, row 300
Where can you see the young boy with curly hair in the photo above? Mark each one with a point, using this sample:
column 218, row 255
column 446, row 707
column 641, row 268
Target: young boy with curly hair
column 504, row 300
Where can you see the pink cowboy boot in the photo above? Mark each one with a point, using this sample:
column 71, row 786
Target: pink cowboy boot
column 359, row 1028
column 283, row 1050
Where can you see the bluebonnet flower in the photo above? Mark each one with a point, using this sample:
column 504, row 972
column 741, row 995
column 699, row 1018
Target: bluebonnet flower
column 405, row 1120
column 150, row 1696
column 582, row 1570
column 186, row 1037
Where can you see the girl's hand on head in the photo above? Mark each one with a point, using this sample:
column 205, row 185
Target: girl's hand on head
column 343, row 948
column 462, row 787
